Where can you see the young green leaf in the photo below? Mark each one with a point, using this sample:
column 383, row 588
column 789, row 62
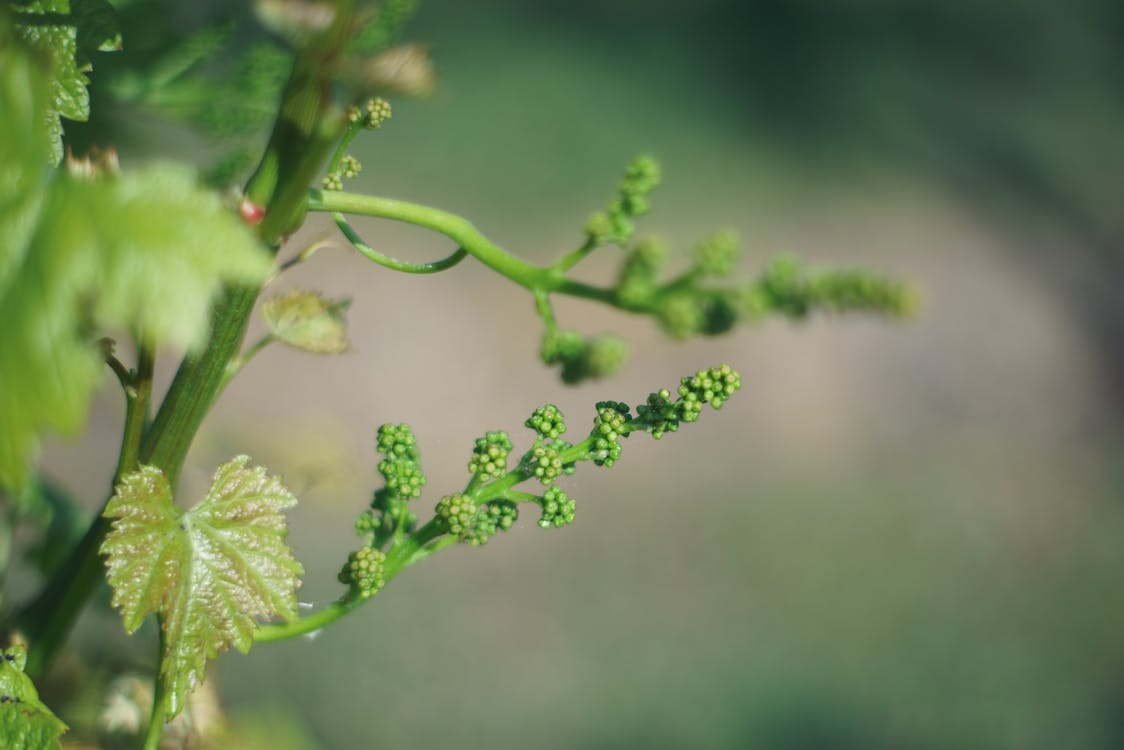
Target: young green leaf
column 145, row 251
column 210, row 573
column 307, row 321
column 70, row 31
column 25, row 721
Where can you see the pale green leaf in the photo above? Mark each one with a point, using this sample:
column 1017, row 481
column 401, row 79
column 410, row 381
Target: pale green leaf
column 308, row 322
column 210, row 573
column 25, row 721
column 144, row 251
column 70, row 31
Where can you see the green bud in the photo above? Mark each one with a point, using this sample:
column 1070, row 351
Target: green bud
column 365, row 523
column 491, row 518
column 377, row 112
column 609, row 427
column 557, row 509
column 457, row 514
column 401, row 466
column 720, row 312
column 713, row 386
column 545, row 461
column 716, row 255
column 559, row 346
column 350, row 167
column 659, row 414
column 489, row 456
column 547, row 421
column 682, row 315
column 640, row 178
column 599, row 229
column 604, row 356
column 364, row 571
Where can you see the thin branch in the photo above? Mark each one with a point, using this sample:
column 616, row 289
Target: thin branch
column 124, row 376
column 568, row 261
column 235, row 365
column 301, row 257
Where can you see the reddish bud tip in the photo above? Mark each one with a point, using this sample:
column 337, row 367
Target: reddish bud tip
column 251, row 212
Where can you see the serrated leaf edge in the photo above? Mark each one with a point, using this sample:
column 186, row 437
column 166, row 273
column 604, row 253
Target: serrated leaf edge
column 181, row 669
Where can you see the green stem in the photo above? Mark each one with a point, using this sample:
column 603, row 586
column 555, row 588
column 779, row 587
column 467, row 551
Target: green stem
column 686, row 279
column 405, row 552
column 568, row 261
column 582, row 290
column 8, row 523
column 280, row 631
column 303, row 134
column 46, row 621
column 159, row 696
column 196, row 385
column 545, row 311
column 136, row 411
column 521, row 497
column 124, row 377
column 457, row 228
column 470, row 240
column 300, row 257
column 341, row 149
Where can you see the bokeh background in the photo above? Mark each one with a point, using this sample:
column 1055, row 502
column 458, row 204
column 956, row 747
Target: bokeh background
column 898, row 535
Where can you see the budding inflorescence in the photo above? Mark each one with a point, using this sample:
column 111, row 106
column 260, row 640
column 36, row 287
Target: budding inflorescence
column 638, row 278
column 372, row 115
column 557, row 509
column 378, row 112
column 489, row 503
column 348, row 168
column 365, row 571
column 789, row 288
column 696, row 301
column 547, row 421
column 615, row 225
column 457, row 514
column 489, row 456
column 583, row 357
column 717, row 254
column 660, row 414
column 492, row 518
column 547, row 463
column 400, row 467
column 610, row 425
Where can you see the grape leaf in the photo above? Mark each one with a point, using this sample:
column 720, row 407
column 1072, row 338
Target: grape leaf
column 70, row 31
column 145, row 251
column 25, row 721
column 307, row 321
column 210, row 573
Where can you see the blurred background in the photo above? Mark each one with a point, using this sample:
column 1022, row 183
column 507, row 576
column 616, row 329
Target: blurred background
column 898, row 535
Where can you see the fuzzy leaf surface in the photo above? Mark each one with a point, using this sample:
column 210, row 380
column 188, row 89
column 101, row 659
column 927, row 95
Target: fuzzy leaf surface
column 307, row 321
column 210, row 573
column 70, row 31
column 144, row 251
column 25, row 721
